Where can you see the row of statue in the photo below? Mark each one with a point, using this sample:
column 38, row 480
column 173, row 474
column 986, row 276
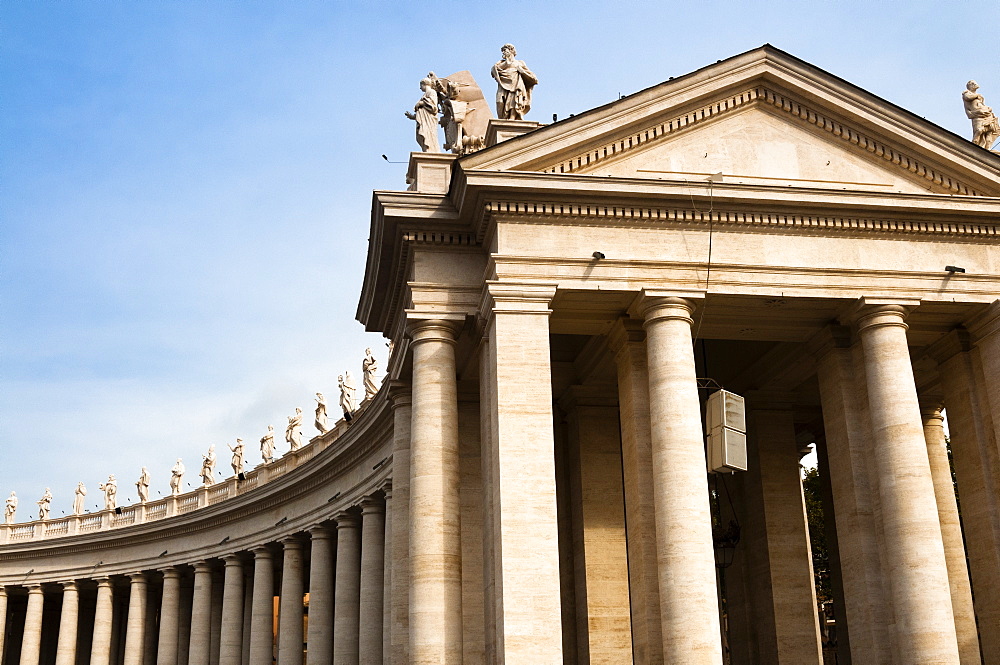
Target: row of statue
column 463, row 108
column 293, row 435
column 985, row 125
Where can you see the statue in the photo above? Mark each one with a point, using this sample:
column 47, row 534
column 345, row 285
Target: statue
column 267, row 445
column 368, row 368
column 208, row 467
column 110, row 490
column 79, row 493
column 176, row 475
column 347, row 399
column 237, row 462
column 44, row 504
column 142, row 485
column 293, row 433
column 985, row 126
column 425, row 113
column 465, row 113
column 514, row 84
column 10, row 509
column 321, row 419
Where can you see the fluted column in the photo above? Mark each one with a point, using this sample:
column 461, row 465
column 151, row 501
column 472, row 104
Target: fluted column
column 320, row 639
column 68, row 619
column 372, row 576
column 951, row 534
column 31, row 642
column 684, row 549
column 100, row 650
column 262, row 615
column 231, row 637
column 201, row 615
column 166, row 652
column 400, row 611
column 290, row 607
column 348, row 588
column 918, row 576
column 135, row 626
column 435, row 537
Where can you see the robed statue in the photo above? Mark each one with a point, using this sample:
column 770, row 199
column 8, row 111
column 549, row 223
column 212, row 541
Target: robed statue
column 514, row 84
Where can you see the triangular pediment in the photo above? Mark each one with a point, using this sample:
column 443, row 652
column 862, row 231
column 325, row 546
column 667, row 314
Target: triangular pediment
column 762, row 118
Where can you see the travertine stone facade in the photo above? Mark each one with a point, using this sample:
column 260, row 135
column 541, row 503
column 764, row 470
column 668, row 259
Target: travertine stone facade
column 529, row 484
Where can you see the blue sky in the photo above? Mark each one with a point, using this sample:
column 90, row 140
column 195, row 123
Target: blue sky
column 185, row 187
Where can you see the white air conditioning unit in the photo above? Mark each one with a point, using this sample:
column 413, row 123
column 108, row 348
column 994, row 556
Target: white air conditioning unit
column 725, row 425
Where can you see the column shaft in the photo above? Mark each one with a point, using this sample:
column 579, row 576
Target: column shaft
column 348, row 589
column 290, row 609
column 231, row 635
column 135, row 626
column 3, row 618
column 387, row 580
column 201, row 616
column 918, row 575
column 435, row 536
column 320, row 640
column 262, row 617
column 371, row 581
column 100, row 652
column 31, row 642
column 685, row 554
column 166, row 653
column 68, row 620
column 400, row 592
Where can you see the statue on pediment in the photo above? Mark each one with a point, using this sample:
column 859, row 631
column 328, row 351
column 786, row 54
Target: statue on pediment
column 237, row 461
column 110, row 489
column 322, row 422
column 514, row 84
column 142, row 485
column 985, row 126
column 348, row 402
column 425, row 114
column 368, row 368
column 267, row 445
column 465, row 113
column 293, row 433
column 10, row 508
column 45, row 505
column 176, row 475
column 78, row 495
column 208, row 466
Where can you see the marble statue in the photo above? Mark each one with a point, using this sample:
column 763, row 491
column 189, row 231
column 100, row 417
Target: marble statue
column 208, row 467
column 348, row 402
column 322, row 423
column 10, row 509
column 425, row 114
column 514, row 84
column 110, row 489
column 176, row 476
column 45, row 504
column 237, row 462
column 78, row 495
column 985, row 126
column 368, row 368
column 142, row 485
column 293, row 433
column 465, row 113
column 267, row 445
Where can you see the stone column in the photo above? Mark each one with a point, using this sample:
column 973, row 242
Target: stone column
column 262, row 616
column 916, row 569
column 951, row 533
column 977, row 469
column 135, row 626
column 166, row 652
column 215, row 632
column 100, row 650
column 387, row 578
column 348, row 589
column 435, row 535
column 201, row 615
column 371, row 581
column 290, row 609
column 627, row 341
column 68, row 620
column 399, row 393
column 320, row 639
column 231, row 635
column 31, row 642
column 684, row 548
column 3, row 617
column 523, row 603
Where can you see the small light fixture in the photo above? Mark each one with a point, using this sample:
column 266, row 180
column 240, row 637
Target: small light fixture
column 954, row 269
column 598, row 255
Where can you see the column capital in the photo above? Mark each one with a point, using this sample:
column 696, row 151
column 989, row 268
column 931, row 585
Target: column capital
column 346, row 520
column 659, row 304
column 232, row 559
column 400, row 394
column 34, row 587
column 291, row 543
column 986, row 323
column 387, row 489
column 433, row 326
column 516, row 298
column 262, row 552
column 103, row 581
column 202, row 567
column 931, row 408
column 955, row 342
column 830, row 337
column 873, row 312
column 372, row 504
column 320, row 532
column 137, row 578
column 68, row 585
column 625, row 331
column 170, row 573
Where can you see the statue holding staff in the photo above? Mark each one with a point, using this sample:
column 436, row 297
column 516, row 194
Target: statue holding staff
column 208, row 467
column 237, row 461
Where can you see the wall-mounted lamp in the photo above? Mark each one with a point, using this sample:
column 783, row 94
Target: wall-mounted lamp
column 598, row 255
column 954, row 269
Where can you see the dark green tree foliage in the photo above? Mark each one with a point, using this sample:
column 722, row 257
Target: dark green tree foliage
column 817, row 534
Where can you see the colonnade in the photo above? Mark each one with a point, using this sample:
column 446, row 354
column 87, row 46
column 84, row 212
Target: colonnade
column 246, row 607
